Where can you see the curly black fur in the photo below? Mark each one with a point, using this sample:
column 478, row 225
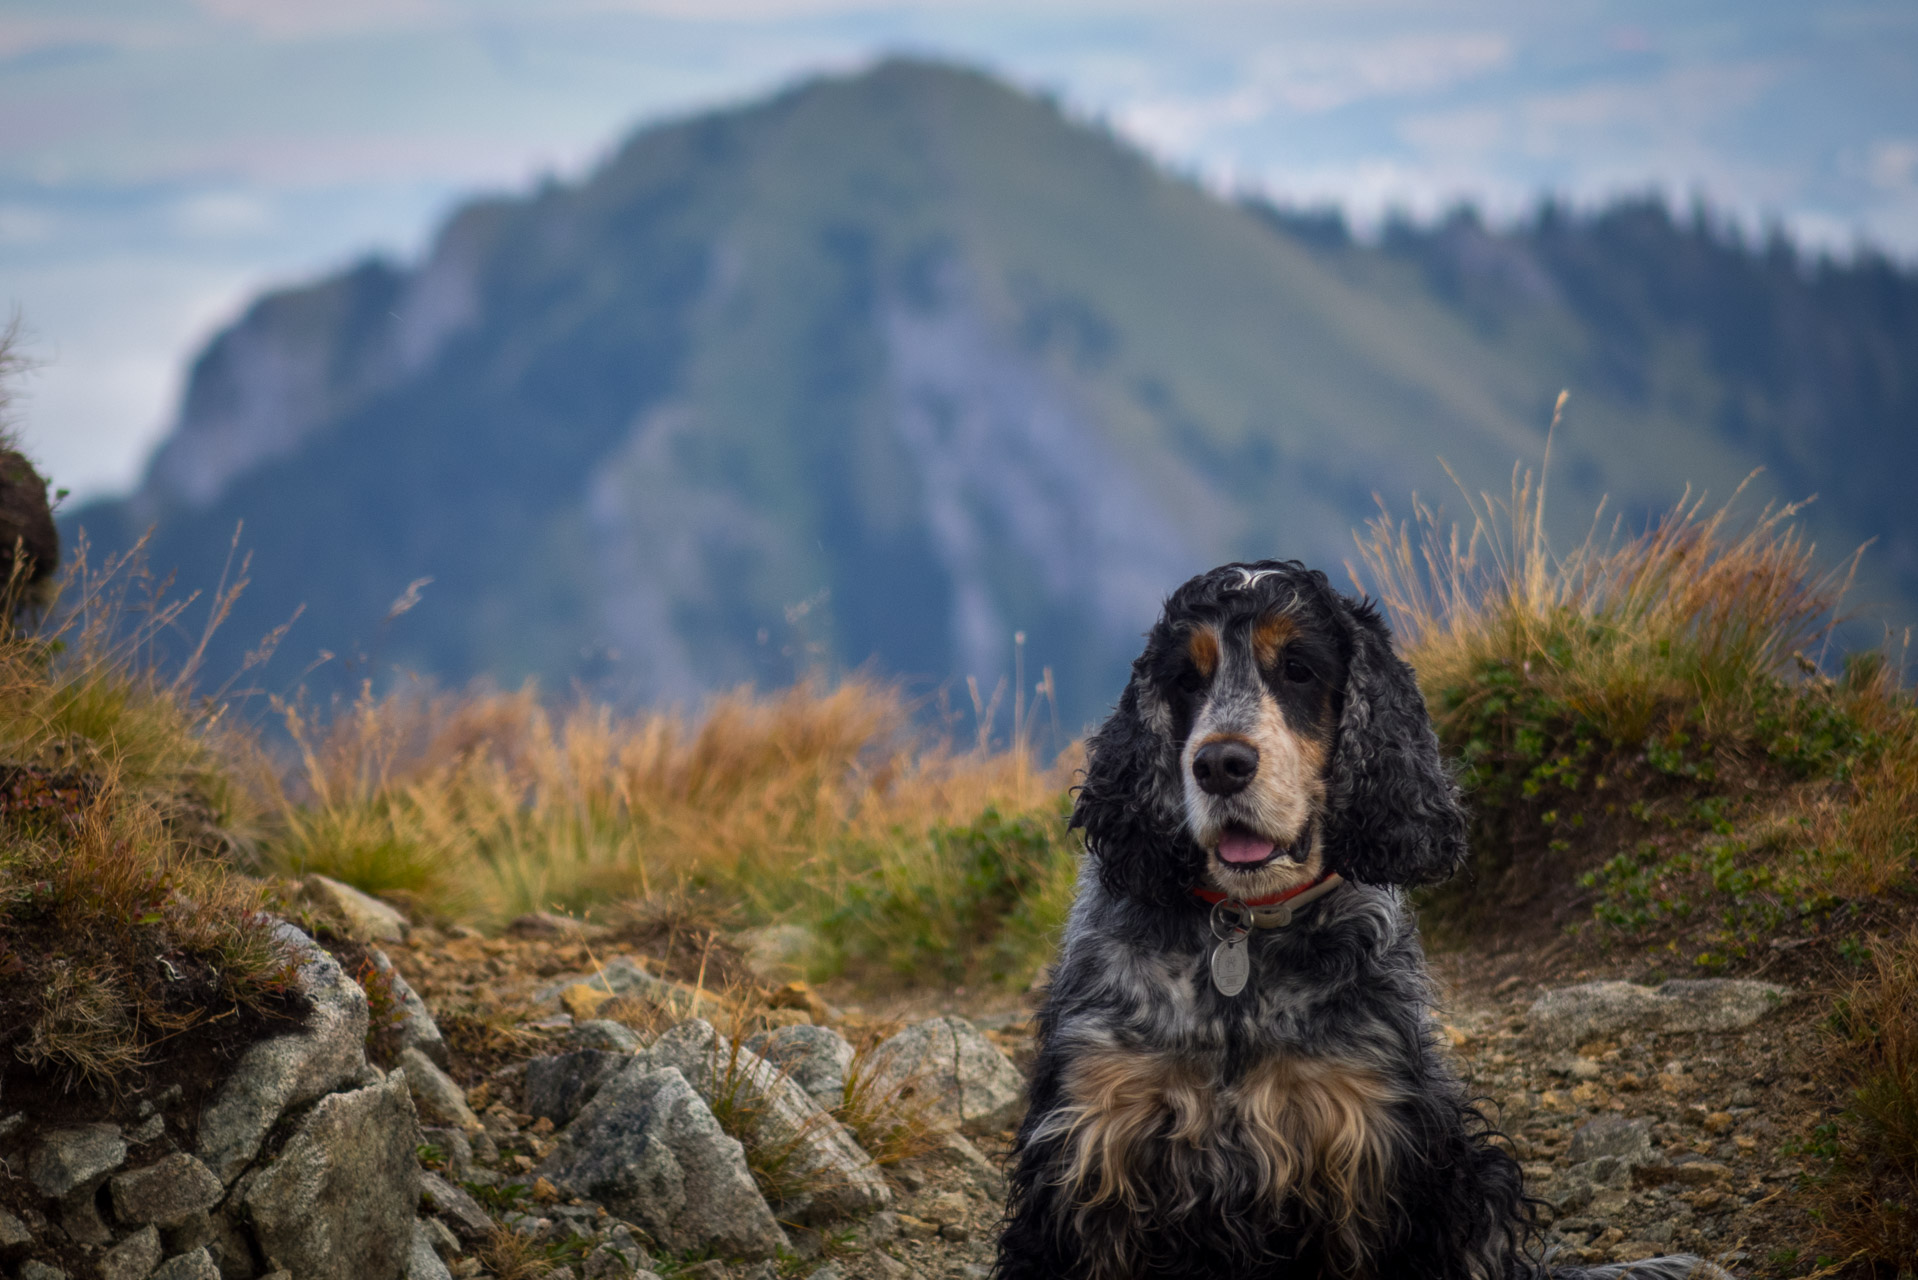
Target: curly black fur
column 1344, row 983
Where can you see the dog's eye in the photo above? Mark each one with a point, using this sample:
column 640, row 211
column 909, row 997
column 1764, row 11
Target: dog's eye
column 1297, row 672
column 1190, row 681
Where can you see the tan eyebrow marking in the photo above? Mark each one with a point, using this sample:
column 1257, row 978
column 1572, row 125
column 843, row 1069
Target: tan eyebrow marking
column 1202, row 646
column 1269, row 636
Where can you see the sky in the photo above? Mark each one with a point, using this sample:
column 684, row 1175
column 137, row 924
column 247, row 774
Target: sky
column 161, row 161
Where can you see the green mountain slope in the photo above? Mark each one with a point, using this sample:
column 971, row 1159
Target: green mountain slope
column 882, row 369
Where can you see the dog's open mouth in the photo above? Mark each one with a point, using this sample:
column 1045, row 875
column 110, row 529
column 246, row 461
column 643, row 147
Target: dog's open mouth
column 1243, row 849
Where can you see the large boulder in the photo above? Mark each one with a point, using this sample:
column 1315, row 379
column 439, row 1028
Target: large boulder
column 826, row 1173
column 648, row 1148
column 338, row 1203
column 946, row 1070
column 1593, row 1010
column 290, row 1070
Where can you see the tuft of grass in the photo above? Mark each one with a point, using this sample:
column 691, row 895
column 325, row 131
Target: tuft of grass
column 1650, row 693
column 122, row 923
column 890, row 1126
column 821, row 805
column 1867, row 1205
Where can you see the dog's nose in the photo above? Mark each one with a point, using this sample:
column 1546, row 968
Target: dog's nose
column 1224, row 767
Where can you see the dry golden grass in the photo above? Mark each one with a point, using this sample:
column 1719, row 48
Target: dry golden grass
column 789, row 804
column 1868, row 1205
column 1693, row 613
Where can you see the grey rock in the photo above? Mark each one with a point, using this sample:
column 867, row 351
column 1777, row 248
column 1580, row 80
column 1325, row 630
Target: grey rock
column 169, row 1190
column 417, row 1030
column 438, row 1098
column 558, row 1086
column 616, row 1260
column 1628, row 1139
column 289, row 1070
column 819, row 1153
column 948, row 1072
column 34, row 1269
column 648, row 1148
column 444, row 1242
column 814, row 1058
column 13, row 1232
column 460, row 1211
column 958, row 1155
column 80, row 1218
column 134, row 1257
column 827, row 1272
column 68, row 1158
column 338, row 1203
column 422, row 1260
column 359, row 916
column 603, row 1033
column 1572, row 1015
column 197, row 1265
column 146, row 1131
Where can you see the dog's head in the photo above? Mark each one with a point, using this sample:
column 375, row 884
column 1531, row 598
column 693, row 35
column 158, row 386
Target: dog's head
column 1268, row 733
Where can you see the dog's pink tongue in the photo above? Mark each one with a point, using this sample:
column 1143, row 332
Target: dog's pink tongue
column 1236, row 846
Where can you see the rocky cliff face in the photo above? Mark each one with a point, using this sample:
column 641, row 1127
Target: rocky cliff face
column 884, row 370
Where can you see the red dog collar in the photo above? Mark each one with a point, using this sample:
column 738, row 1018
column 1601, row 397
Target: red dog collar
column 1266, row 913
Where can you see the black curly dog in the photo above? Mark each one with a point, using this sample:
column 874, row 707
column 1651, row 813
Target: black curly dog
column 1267, row 784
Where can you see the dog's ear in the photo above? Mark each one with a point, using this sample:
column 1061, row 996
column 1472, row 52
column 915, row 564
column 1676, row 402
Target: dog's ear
column 1395, row 815
column 1128, row 802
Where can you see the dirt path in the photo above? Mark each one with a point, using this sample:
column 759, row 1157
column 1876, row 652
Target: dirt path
column 1722, row 1113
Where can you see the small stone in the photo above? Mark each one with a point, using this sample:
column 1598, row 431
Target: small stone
column 461, row 1212
column 359, row 916
column 1573, row 1015
column 168, row 1191
column 13, row 1232
column 422, row 1260
column 134, row 1257
column 604, row 1034
column 915, row 1228
column 147, row 1130
column 1719, row 1121
column 438, row 1098
column 80, row 1219
column 34, row 1269
column 66, row 1158
column 445, row 1243
column 583, row 1001
column 1628, row 1139
column 197, row 1265
column 955, row 1231
column 882, row 1227
column 800, row 995
column 943, row 1209
column 827, row 1272
column 454, row 1147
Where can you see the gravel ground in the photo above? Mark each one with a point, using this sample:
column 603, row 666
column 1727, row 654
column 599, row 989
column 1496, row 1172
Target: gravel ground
column 1712, row 1120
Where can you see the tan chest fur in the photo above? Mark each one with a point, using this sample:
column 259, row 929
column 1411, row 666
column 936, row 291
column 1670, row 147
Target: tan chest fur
column 1314, row 1130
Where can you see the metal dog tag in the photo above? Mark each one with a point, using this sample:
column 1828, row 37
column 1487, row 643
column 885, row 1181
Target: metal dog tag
column 1231, row 960
column 1231, row 966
